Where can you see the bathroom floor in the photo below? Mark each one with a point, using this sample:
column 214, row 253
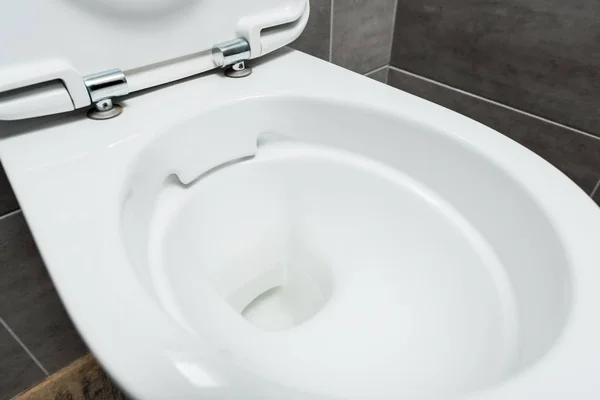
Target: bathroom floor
column 84, row 379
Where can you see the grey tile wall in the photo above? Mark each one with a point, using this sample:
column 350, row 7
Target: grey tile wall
column 316, row 38
column 362, row 33
column 380, row 74
column 30, row 305
column 541, row 56
column 576, row 154
column 355, row 34
column 17, row 369
column 31, row 309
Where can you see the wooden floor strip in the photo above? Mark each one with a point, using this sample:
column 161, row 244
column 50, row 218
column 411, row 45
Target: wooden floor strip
column 84, row 379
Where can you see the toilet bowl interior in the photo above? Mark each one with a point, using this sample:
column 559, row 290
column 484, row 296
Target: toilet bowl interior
column 342, row 251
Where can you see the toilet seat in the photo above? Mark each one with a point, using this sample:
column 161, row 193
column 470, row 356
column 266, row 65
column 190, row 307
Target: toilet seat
column 70, row 55
column 78, row 168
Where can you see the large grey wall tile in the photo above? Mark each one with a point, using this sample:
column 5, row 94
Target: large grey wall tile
column 17, row 370
column 362, row 33
column 28, row 301
column 540, row 56
column 8, row 202
column 316, row 36
column 577, row 155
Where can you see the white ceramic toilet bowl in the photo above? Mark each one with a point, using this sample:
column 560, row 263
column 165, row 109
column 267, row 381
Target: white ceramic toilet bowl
column 307, row 233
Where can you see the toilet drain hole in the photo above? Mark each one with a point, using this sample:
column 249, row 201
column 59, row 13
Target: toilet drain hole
column 281, row 296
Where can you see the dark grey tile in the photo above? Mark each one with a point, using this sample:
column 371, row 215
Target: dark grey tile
column 8, row 202
column 362, row 33
column 17, row 370
column 575, row 154
column 28, row 301
column 315, row 38
column 379, row 75
column 540, row 56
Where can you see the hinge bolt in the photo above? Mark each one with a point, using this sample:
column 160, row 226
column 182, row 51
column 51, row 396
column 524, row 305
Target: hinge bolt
column 105, row 109
column 104, row 105
column 238, row 70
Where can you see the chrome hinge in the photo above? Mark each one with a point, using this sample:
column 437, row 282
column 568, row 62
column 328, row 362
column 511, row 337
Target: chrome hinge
column 232, row 55
column 102, row 88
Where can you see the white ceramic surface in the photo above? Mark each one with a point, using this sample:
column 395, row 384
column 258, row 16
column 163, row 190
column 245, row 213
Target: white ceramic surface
column 405, row 251
column 48, row 47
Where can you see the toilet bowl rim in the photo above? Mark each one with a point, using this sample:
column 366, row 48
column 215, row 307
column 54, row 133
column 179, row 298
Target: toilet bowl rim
column 567, row 220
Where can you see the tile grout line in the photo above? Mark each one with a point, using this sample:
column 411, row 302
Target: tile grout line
column 595, row 190
column 395, row 14
column 29, row 353
column 549, row 121
column 331, row 32
column 9, row 214
column 375, row 70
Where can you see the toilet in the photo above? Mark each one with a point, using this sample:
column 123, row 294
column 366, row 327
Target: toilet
column 227, row 218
